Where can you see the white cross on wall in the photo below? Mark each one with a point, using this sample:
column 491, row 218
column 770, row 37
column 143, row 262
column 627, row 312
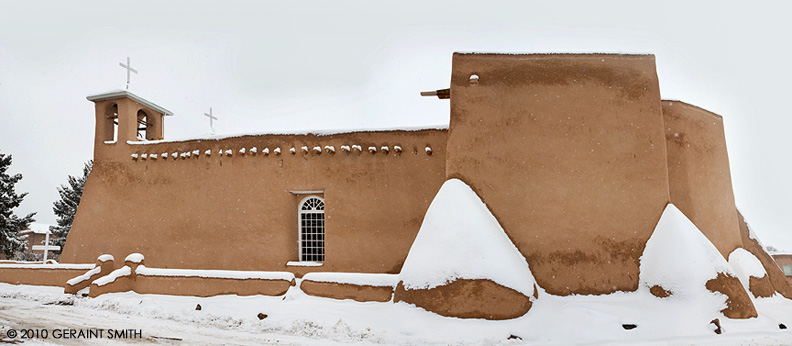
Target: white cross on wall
column 46, row 247
column 211, row 118
column 129, row 69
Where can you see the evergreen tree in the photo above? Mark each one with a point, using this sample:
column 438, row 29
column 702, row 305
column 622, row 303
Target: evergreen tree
column 10, row 224
column 66, row 207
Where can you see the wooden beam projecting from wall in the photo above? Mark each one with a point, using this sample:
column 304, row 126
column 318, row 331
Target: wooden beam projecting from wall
column 441, row 93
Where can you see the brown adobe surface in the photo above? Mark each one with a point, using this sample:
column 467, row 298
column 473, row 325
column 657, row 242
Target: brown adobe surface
column 738, row 304
column 559, row 146
column 698, row 173
column 761, row 287
column 238, row 212
column 347, row 291
column 468, row 299
column 659, row 291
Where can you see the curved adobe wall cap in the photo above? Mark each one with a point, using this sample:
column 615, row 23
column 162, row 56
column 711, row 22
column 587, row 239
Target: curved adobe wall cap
column 117, row 94
column 670, row 103
column 556, row 55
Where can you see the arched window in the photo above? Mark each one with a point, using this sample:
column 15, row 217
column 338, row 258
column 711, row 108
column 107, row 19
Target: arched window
column 312, row 229
column 111, row 124
column 142, row 124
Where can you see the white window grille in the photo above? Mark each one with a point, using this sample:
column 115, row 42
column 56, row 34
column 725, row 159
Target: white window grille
column 312, row 229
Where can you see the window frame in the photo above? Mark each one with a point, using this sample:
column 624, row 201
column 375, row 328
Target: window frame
column 787, row 268
column 302, row 257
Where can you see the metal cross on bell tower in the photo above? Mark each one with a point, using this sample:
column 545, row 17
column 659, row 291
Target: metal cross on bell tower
column 129, row 69
column 211, row 118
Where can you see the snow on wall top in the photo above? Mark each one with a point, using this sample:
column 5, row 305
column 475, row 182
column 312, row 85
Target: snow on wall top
column 221, row 274
column 28, row 265
column 84, row 277
column 115, row 274
column 105, row 258
column 134, row 258
column 746, row 265
column 326, row 132
column 360, row 279
column 679, row 258
column 461, row 239
column 120, row 93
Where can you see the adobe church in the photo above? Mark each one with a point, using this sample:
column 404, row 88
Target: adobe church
column 575, row 155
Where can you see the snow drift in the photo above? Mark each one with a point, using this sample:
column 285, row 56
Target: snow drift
column 683, row 262
column 461, row 239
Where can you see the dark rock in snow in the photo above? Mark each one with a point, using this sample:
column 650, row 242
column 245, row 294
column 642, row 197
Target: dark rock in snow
column 716, row 322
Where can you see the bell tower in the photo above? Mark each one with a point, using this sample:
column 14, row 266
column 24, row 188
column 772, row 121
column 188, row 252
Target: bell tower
column 122, row 117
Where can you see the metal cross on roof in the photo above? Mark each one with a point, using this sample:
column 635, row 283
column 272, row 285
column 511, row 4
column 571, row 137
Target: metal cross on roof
column 211, row 118
column 129, row 69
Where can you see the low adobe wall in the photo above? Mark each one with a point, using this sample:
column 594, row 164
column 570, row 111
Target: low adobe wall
column 104, row 266
column 360, row 287
column 134, row 276
column 41, row 274
column 207, row 287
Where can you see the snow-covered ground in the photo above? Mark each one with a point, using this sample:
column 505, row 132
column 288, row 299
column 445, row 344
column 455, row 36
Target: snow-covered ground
column 300, row 319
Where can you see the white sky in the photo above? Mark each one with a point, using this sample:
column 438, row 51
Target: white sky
column 347, row 64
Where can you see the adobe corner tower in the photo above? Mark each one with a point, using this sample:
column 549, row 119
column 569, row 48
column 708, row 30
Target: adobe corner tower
column 577, row 156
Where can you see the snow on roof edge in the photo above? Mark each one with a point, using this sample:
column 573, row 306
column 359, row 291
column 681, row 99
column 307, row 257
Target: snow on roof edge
column 308, row 132
column 119, row 93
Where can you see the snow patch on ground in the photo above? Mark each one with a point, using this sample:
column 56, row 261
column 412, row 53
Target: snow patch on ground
column 461, row 239
column 297, row 318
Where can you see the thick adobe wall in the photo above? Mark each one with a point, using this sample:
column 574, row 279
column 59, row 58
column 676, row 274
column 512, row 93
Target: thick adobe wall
column 699, row 175
column 239, row 211
column 568, row 152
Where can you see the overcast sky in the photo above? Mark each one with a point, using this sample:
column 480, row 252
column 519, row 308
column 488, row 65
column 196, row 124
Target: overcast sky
column 343, row 65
